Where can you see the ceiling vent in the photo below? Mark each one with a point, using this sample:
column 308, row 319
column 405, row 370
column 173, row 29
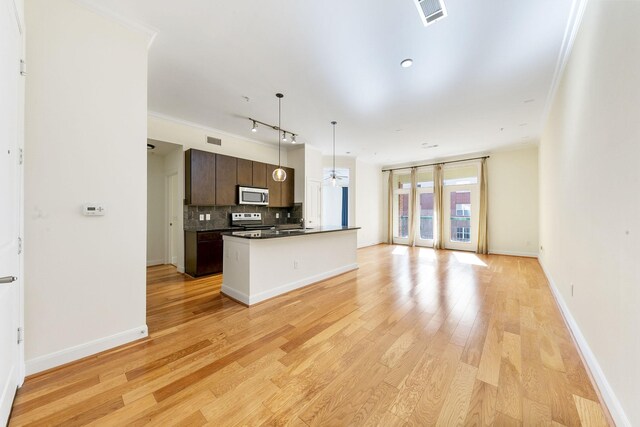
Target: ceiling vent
column 431, row 10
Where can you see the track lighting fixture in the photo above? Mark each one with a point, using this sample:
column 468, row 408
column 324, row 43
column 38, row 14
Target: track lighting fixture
column 255, row 127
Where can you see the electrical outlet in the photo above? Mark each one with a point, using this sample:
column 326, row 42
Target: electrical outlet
column 208, row 216
column 288, row 214
column 277, row 215
column 201, row 217
column 295, row 265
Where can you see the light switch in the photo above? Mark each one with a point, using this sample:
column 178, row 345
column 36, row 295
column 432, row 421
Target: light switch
column 201, row 217
column 208, row 217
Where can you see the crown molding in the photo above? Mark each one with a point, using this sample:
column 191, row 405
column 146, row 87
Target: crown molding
column 571, row 31
column 98, row 9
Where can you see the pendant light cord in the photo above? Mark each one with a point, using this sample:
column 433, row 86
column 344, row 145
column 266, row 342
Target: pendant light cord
column 334, row 148
column 279, row 127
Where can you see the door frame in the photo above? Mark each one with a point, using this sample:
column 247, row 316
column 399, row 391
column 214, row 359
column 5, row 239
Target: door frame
column 472, row 245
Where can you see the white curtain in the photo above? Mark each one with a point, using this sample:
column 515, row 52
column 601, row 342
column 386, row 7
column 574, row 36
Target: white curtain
column 438, row 208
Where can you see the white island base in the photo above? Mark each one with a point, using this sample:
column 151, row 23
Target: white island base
column 256, row 269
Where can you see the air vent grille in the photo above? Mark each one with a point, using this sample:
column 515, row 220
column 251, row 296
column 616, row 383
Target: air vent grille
column 431, row 10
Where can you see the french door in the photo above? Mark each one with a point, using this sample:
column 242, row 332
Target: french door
column 461, row 217
column 424, row 210
column 401, row 215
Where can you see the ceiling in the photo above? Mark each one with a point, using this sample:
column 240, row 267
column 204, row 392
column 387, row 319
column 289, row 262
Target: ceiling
column 480, row 79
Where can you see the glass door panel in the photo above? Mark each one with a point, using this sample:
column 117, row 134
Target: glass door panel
column 425, row 210
column 401, row 208
column 461, row 217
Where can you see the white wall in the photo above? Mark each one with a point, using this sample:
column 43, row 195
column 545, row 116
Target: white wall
column 296, row 160
column 86, row 100
column 513, row 202
column 369, row 204
column 589, row 204
column 331, row 206
column 156, row 206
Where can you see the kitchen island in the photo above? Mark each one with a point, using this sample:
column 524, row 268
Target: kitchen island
column 259, row 265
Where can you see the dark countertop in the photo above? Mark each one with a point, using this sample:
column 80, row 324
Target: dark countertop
column 275, row 234
column 207, row 230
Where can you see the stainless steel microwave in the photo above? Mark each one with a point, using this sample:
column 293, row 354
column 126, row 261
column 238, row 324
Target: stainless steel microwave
column 253, row 196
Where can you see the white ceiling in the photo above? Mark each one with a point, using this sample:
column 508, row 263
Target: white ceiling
column 340, row 60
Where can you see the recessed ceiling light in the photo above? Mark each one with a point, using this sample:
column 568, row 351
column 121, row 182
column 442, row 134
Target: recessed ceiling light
column 406, row 63
column 425, row 145
column 522, row 124
column 528, row 101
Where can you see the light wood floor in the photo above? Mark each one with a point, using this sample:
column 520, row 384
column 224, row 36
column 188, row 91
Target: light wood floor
column 414, row 337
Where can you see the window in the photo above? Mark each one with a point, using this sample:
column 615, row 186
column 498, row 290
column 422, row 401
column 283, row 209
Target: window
column 426, row 215
column 463, row 234
column 461, row 175
column 463, row 209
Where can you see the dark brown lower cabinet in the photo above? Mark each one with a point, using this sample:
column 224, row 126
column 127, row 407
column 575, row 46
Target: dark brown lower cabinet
column 203, row 251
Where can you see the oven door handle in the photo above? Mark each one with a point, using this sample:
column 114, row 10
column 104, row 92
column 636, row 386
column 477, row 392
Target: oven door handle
column 264, row 198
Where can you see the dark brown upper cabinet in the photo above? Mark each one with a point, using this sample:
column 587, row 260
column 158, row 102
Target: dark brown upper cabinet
column 200, row 178
column 259, row 174
column 226, row 176
column 288, row 188
column 212, row 180
column 245, row 173
column 275, row 188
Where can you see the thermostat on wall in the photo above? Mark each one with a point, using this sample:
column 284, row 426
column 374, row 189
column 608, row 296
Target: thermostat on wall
column 93, row 209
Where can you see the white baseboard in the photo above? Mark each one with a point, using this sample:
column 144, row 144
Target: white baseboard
column 514, row 253
column 608, row 395
column 180, row 268
column 288, row 287
column 153, row 262
column 70, row 354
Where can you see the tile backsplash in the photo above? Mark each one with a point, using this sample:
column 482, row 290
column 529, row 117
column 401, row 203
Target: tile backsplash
column 221, row 215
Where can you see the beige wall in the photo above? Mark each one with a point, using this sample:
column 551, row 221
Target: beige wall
column 589, row 180
column 513, row 202
column 85, row 141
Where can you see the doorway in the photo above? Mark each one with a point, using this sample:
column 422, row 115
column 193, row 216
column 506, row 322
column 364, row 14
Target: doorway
column 461, row 200
column 165, row 171
column 335, row 198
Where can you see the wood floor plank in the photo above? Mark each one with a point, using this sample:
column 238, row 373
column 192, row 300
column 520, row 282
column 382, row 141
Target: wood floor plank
column 413, row 337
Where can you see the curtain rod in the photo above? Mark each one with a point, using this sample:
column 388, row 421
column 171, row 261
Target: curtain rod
column 437, row 163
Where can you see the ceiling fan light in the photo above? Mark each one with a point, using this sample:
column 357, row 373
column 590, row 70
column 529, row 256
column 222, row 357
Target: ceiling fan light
column 279, row 175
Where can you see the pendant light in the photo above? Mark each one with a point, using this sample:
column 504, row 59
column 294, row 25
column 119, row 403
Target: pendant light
column 334, row 180
column 279, row 174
